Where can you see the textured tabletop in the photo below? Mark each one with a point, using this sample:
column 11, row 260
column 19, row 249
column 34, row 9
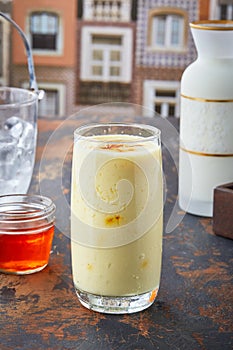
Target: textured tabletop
column 194, row 307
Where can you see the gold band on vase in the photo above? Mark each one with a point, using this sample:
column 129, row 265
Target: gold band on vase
column 204, row 154
column 223, row 25
column 200, row 99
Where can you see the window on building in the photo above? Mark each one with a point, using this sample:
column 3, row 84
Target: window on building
column 225, row 10
column 44, row 30
column 106, row 57
column 49, row 105
column 109, row 52
column 167, row 30
column 221, row 9
column 165, row 102
column 53, row 102
column 162, row 97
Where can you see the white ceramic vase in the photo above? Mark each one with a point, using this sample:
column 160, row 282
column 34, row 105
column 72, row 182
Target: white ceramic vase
column 206, row 120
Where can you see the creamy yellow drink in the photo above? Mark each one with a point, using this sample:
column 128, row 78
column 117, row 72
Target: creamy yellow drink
column 116, row 215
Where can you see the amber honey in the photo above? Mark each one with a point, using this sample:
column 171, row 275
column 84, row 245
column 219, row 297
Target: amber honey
column 23, row 252
column 26, row 233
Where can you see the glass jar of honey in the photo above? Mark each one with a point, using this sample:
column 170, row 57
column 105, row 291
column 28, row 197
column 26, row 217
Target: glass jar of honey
column 26, row 233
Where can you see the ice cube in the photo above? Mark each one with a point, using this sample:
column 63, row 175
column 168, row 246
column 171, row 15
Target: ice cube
column 7, row 146
column 27, row 138
column 8, row 153
column 14, row 126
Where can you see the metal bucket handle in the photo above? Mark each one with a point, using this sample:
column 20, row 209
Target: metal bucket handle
column 32, row 77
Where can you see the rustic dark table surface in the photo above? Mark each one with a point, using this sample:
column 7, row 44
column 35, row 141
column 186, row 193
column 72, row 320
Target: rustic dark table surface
column 194, row 307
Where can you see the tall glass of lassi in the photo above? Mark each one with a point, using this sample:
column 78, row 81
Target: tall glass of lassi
column 116, row 216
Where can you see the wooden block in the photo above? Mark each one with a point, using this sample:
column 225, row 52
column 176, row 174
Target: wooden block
column 223, row 210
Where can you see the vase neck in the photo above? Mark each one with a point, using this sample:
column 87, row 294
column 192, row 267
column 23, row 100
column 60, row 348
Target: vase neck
column 213, row 43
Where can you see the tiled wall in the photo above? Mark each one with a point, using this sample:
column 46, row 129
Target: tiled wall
column 168, row 59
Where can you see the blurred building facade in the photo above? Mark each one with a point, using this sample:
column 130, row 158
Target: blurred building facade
column 164, row 49
column 88, row 52
column 50, row 26
column 106, row 43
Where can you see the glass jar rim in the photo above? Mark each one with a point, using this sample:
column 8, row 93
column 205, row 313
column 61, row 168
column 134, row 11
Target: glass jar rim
column 31, row 97
column 80, row 132
column 32, row 212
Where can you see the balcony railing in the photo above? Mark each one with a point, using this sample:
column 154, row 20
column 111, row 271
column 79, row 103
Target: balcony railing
column 104, row 10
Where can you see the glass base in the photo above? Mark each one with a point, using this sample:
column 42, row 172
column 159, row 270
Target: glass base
column 116, row 305
column 23, row 272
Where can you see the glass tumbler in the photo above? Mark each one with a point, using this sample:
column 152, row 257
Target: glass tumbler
column 26, row 233
column 18, row 134
column 116, row 216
